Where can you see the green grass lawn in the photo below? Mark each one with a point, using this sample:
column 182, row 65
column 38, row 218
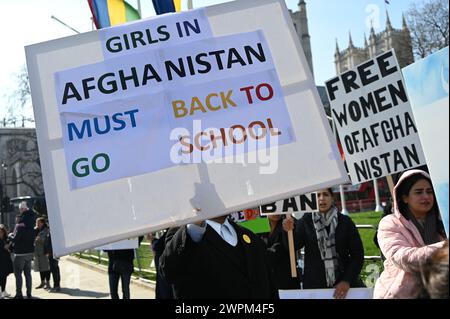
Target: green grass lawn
column 367, row 235
column 145, row 256
column 371, row 269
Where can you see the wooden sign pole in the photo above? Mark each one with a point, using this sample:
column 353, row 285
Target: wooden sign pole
column 292, row 254
column 391, row 185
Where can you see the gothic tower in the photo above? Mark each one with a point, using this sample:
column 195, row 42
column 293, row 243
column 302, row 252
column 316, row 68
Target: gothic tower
column 390, row 38
column 300, row 19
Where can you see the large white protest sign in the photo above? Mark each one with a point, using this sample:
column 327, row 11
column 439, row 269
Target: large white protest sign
column 373, row 116
column 108, row 108
column 427, row 85
column 130, row 188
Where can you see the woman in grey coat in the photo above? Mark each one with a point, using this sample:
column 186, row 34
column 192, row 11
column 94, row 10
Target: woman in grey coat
column 41, row 263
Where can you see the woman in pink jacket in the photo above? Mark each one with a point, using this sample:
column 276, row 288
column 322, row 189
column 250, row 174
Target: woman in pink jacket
column 408, row 236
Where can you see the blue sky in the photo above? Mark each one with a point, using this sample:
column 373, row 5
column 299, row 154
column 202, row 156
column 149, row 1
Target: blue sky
column 328, row 20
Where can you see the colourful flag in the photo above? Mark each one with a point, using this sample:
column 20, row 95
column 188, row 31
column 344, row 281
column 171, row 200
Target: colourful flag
column 165, row 6
column 107, row 13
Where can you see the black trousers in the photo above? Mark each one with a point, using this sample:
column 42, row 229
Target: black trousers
column 54, row 269
column 3, row 282
column 45, row 276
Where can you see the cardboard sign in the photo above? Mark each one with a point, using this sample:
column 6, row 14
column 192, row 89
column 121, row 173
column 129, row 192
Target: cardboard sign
column 109, row 108
column 371, row 110
column 427, row 84
column 251, row 219
column 297, row 205
column 121, row 245
column 132, row 189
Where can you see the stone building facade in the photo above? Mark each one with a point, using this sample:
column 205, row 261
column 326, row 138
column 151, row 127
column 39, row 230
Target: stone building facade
column 20, row 167
column 390, row 38
column 300, row 20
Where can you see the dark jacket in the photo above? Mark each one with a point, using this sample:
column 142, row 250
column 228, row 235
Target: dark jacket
column 279, row 260
column 212, row 269
column 162, row 289
column 121, row 261
column 6, row 266
column 48, row 248
column 28, row 218
column 349, row 248
column 24, row 236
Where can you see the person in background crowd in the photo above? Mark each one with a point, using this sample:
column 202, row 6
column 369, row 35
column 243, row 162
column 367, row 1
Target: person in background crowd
column 41, row 262
column 408, row 236
column 216, row 259
column 433, row 275
column 334, row 253
column 6, row 266
column 23, row 240
column 162, row 290
column 278, row 255
column 53, row 262
column 120, row 267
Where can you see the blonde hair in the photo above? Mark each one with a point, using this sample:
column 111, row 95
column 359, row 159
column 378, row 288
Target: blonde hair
column 4, row 230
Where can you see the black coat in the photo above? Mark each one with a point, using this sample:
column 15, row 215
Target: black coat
column 349, row 248
column 25, row 235
column 279, row 260
column 6, row 266
column 206, row 270
column 121, row 260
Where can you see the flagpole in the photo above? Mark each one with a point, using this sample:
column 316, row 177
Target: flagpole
column 139, row 8
column 64, row 24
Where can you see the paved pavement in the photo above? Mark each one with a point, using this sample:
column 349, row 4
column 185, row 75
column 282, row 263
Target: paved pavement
column 81, row 280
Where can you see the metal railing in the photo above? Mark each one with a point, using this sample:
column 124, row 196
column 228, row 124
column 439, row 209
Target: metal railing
column 369, row 258
column 16, row 122
column 99, row 257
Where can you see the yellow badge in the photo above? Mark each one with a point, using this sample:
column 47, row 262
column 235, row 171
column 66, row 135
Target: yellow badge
column 247, row 239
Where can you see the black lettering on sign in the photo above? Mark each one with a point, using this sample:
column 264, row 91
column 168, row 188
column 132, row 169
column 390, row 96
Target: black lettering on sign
column 308, row 202
column 269, row 208
column 395, row 161
column 384, row 64
column 290, row 203
column 331, row 88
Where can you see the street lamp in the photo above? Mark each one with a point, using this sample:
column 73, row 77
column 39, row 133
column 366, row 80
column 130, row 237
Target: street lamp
column 3, row 199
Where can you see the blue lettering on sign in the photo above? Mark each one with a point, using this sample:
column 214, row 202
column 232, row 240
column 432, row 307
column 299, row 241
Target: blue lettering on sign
column 101, row 125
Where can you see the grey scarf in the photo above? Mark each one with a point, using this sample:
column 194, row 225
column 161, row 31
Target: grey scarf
column 428, row 230
column 326, row 242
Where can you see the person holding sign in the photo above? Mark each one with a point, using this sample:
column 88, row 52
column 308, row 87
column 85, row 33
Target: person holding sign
column 334, row 253
column 217, row 259
column 278, row 255
column 409, row 236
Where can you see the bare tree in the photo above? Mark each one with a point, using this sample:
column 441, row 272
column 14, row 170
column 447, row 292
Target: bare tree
column 429, row 26
column 19, row 101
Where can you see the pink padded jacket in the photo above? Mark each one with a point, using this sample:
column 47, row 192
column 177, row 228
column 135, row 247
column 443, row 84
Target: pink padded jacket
column 404, row 248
